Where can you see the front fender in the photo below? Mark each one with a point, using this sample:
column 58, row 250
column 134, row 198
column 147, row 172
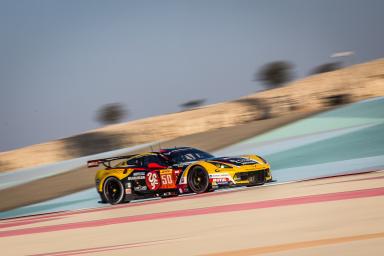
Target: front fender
column 207, row 166
column 256, row 158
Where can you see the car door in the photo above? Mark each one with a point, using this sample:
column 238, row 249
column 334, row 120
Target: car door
column 157, row 167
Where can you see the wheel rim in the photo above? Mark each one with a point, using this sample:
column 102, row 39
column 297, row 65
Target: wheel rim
column 199, row 180
column 113, row 191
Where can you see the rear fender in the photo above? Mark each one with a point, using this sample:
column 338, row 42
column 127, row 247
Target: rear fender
column 102, row 175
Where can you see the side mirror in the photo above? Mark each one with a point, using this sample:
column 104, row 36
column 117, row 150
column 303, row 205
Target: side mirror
column 155, row 166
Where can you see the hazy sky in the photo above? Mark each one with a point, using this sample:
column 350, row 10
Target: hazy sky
column 61, row 60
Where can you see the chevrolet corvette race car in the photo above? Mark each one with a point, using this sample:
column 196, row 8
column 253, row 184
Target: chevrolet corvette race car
column 175, row 171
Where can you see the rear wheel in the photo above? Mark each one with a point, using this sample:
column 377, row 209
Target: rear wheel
column 198, row 179
column 113, row 190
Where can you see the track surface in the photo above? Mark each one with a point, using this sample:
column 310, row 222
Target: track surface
column 340, row 215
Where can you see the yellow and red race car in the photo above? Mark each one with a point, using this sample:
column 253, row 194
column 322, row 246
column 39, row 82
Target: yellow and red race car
column 175, row 171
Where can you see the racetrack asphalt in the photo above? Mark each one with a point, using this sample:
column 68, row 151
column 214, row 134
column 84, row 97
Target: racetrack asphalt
column 300, row 218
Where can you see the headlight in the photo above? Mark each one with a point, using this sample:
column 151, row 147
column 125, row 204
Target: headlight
column 220, row 165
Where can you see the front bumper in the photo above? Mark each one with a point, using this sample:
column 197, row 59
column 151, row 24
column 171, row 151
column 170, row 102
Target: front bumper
column 258, row 177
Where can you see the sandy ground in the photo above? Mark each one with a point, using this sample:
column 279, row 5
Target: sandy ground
column 360, row 81
column 332, row 216
column 83, row 178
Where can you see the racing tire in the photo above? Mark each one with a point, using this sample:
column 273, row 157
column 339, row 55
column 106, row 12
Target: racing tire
column 198, row 180
column 113, row 190
column 103, row 200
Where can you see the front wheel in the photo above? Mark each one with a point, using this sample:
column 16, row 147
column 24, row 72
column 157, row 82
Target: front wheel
column 198, row 180
column 103, row 200
column 113, row 190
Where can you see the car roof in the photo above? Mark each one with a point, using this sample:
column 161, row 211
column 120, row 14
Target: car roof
column 170, row 150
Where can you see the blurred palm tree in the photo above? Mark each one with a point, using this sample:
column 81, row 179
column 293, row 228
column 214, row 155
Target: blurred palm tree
column 111, row 113
column 326, row 67
column 192, row 104
column 275, row 74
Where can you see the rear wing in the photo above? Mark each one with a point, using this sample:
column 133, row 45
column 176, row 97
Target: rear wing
column 106, row 161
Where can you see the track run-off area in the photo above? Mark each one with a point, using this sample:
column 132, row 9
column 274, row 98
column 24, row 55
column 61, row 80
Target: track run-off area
column 328, row 199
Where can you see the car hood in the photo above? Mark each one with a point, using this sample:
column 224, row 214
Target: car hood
column 237, row 161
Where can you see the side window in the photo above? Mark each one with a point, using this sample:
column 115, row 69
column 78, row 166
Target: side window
column 162, row 161
column 134, row 162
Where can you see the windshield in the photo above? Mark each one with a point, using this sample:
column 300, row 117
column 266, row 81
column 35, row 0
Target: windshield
column 188, row 155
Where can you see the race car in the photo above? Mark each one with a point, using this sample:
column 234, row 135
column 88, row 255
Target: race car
column 175, row 171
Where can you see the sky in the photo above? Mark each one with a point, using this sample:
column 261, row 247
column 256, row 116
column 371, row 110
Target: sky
column 60, row 61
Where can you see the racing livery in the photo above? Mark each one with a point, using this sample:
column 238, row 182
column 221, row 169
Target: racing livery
column 175, row 171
